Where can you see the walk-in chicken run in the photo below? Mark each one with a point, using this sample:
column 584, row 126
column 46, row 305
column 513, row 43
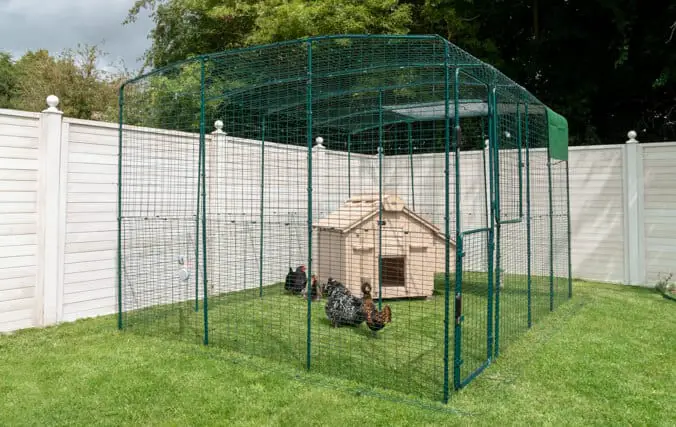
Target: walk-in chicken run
column 382, row 209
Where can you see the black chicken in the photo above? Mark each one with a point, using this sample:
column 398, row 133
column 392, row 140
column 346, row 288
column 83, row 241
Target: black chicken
column 296, row 281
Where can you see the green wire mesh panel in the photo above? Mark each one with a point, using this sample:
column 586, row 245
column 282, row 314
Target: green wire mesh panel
column 159, row 274
column 303, row 201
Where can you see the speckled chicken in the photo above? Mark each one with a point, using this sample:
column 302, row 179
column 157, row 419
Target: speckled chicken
column 342, row 308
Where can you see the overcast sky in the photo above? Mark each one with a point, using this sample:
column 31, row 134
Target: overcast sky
column 56, row 25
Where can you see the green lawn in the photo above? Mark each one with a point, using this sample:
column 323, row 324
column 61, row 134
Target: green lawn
column 604, row 358
column 406, row 356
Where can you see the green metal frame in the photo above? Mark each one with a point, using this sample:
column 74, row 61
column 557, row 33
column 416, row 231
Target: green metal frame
column 309, row 201
column 499, row 92
column 380, row 200
column 262, row 218
column 203, row 191
column 119, row 207
column 528, row 228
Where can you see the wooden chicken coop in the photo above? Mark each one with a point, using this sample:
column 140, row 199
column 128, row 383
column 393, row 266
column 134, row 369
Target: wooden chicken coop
column 347, row 247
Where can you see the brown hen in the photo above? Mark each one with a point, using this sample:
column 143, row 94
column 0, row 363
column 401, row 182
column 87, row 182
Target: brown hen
column 375, row 319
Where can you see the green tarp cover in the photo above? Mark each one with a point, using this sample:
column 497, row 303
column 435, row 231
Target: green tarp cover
column 558, row 135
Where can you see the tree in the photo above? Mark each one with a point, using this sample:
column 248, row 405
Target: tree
column 8, row 80
column 184, row 28
column 86, row 92
column 607, row 65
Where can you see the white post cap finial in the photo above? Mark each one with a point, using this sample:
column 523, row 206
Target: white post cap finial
column 487, row 142
column 632, row 137
column 319, row 141
column 218, row 124
column 52, row 102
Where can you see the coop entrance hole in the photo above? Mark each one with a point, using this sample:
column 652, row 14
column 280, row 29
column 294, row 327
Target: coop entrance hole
column 394, row 271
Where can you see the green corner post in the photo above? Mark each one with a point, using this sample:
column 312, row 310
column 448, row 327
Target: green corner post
column 492, row 129
column 380, row 204
column 498, row 225
column 519, row 136
column 410, row 160
column 119, row 209
column 349, row 166
column 308, row 107
column 199, row 188
column 570, row 260
column 447, row 224
column 485, row 164
column 262, row 217
column 529, row 248
column 551, row 228
column 204, row 204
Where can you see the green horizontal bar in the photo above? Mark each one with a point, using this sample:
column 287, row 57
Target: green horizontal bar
column 511, row 221
column 475, row 374
column 475, row 231
column 344, row 73
column 329, row 95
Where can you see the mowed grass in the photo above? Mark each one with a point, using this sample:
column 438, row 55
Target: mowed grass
column 604, row 358
column 406, row 356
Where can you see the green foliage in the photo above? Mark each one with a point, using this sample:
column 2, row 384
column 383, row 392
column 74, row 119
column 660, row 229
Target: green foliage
column 186, row 28
column 279, row 20
column 626, row 46
column 86, row 92
column 8, row 80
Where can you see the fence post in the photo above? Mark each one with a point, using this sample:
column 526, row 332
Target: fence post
column 633, row 208
column 49, row 292
column 320, row 185
column 216, row 209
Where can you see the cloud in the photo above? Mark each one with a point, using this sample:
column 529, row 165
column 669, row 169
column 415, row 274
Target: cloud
column 56, row 25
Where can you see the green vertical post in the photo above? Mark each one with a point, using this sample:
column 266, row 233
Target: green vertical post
column 498, row 224
column 570, row 261
column 380, row 204
column 529, row 248
column 199, row 186
column 204, row 204
column 410, row 160
column 349, row 166
column 308, row 108
column 457, row 348
column 260, row 260
column 487, row 189
column 551, row 230
column 492, row 117
column 119, row 209
column 519, row 137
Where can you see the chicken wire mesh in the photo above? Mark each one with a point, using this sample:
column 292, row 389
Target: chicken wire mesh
column 385, row 209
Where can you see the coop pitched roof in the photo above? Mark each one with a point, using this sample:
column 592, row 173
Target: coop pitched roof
column 359, row 209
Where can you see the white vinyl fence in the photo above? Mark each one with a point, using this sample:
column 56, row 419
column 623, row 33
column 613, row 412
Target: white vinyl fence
column 58, row 207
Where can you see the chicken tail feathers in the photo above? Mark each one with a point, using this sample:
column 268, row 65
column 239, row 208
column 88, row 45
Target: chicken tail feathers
column 387, row 314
